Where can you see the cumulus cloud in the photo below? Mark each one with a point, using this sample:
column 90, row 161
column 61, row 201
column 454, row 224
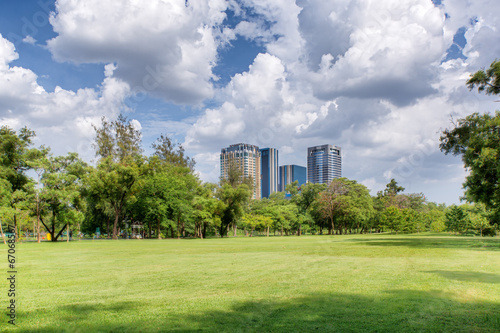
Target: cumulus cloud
column 164, row 48
column 366, row 75
column 62, row 119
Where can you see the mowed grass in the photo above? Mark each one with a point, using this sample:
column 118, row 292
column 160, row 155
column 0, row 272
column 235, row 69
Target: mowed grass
column 358, row 283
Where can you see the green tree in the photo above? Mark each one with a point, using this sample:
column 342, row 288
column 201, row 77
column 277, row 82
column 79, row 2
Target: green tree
column 456, row 219
column 61, row 194
column 235, row 192
column 477, row 139
column 392, row 218
column 486, row 80
column 234, row 201
column 113, row 184
column 346, row 204
column 478, row 217
column 171, row 153
column 207, row 209
column 117, row 139
column 166, row 195
column 16, row 153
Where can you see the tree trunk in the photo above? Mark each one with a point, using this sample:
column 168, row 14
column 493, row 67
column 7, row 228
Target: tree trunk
column 178, row 228
column 3, row 236
column 204, row 232
column 53, row 231
column 234, row 229
column 15, row 228
column 107, row 228
column 38, row 219
column 115, row 225
column 67, row 233
column 159, row 235
column 267, row 231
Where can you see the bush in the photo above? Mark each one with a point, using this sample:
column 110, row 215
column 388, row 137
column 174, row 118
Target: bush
column 489, row 231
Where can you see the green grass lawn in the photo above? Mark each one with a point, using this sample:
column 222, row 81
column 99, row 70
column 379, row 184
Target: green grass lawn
column 372, row 283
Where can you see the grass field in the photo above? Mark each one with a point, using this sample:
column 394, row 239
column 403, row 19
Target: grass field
column 372, row 283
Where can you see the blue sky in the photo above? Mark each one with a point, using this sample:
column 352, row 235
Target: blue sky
column 380, row 79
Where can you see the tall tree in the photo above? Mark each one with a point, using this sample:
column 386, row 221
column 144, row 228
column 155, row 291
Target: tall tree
column 118, row 147
column 16, row 153
column 117, row 139
column 115, row 184
column 61, row 193
column 346, row 204
column 171, row 153
column 477, row 139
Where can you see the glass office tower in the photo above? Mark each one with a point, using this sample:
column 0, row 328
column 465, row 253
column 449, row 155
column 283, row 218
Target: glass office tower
column 324, row 163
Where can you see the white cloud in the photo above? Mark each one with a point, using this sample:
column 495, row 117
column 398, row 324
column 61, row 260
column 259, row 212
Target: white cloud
column 62, row 119
column 29, row 40
column 165, row 48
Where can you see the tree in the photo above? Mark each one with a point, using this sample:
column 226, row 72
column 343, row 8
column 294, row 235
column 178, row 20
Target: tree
column 207, row 209
column 117, row 139
column 234, row 200
column 392, row 188
column 346, row 204
column 392, row 218
column 477, row 139
column 115, row 184
column 171, row 153
column 61, row 193
column 456, row 219
column 16, row 154
column 166, row 195
column 111, row 183
column 478, row 218
column 488, row 80
column 235, row 191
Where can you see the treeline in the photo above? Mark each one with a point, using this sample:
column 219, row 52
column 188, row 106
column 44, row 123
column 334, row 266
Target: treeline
column 162, row 194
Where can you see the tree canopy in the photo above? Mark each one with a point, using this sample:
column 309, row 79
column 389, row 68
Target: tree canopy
column 477, row 139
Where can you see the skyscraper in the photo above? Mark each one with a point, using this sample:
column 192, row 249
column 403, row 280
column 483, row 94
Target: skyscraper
column 291, row 173
column 247, row 158
column 269, row 169
column 324, row 163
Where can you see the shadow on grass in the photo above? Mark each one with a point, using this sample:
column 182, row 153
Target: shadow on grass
column 394, row 311
column 490, row 244
column 469, row 276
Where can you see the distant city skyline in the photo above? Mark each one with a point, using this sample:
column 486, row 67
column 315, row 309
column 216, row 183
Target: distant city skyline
column 324, row 163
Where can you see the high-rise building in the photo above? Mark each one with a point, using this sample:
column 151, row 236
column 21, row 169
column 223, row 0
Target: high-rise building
column 247, row 158
column 291, row 173
column 269, row 171
column 324, row 163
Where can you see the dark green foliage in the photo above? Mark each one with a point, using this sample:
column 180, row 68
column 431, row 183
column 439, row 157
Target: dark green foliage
column 456, row 219
column 489, row 231
column 488, row 80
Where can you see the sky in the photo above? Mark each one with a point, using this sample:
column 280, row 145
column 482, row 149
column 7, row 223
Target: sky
column 379, row 78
